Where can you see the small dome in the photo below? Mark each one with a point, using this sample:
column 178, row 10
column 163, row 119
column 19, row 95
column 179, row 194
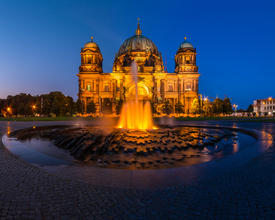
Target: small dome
column 185, row 44
column 91, row 44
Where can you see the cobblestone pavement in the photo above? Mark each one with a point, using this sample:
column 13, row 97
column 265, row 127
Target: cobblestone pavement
column 27, row 192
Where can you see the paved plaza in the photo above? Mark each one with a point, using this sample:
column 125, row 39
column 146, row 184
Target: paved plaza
column 245, row 192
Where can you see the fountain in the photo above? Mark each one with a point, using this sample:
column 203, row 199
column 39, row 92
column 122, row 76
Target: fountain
column 135, row 114
column 136, row 142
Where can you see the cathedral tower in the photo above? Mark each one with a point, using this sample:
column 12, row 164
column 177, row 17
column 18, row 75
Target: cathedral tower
column 89, row 73
column 187, row 71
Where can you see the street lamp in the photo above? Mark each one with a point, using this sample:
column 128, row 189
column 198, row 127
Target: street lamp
column 235, row 106
column 9, row 110
column 270, row 98
column 33, row 109
column 201, row 104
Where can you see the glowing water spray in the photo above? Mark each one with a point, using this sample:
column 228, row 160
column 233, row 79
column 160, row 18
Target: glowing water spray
column 135, row 114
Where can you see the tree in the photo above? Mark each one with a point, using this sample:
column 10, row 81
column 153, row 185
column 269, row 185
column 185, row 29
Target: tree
column 265, row 114
column 107, row 106
column 254, row 114
column 250, row 108
column 70, row 104
column 46, row 106
column 226, row 106
column 56, row 107
column 179, row 108
column 78, row 106
column 153, row 108
column 167, row 108
column 91, row 107
column 37, row 108
column 217, row 106
column 21, row 109
column 118, row 107
column 28, row 109
column 195, row 106
column 207, row 108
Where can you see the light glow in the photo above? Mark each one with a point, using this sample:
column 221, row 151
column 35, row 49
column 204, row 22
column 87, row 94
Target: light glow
column 136, row 116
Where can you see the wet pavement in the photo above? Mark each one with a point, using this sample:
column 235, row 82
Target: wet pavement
column 245, row 192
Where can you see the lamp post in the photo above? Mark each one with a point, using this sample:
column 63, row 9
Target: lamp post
column 9, row 110
column 201, row 104
column 235, row 106
column 269, row 103
column 188, row 99
column 33, row 109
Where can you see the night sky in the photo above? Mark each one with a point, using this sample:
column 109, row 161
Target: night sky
column 40, row 42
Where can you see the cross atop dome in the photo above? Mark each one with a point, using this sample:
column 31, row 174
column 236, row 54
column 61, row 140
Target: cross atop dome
column 138, row 31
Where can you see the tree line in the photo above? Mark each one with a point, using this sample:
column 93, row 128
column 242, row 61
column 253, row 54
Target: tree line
column 198, row 106
column 57, row 104
column 54, row 103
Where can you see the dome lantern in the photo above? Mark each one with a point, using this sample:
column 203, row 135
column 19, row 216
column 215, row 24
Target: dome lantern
column 138, row 31
column 91, row 44
column 185, row 44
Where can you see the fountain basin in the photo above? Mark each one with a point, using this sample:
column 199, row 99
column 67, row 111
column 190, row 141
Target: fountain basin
column 166, row 147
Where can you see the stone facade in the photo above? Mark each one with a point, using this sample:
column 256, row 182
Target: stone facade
column 154, row 83
column 261, row 106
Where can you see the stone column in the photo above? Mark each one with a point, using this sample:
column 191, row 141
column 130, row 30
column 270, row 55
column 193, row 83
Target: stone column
column 97, row 86
column 79, row 88
column 114, row 90
column 155, row 90
column 179, row 89
column 162, row 89
column 121, row 89
column 197, row 86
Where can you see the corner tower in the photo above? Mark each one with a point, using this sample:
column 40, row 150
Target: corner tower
column 187, row 71
column 89, row 72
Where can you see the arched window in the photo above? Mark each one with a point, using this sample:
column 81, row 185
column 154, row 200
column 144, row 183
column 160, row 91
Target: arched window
column 170, row 88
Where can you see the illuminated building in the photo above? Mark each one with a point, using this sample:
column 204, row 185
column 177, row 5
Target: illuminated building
column 261, row 106
column 154, row 83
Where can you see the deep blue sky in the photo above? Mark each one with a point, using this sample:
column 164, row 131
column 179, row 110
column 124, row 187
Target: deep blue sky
column 40, row 42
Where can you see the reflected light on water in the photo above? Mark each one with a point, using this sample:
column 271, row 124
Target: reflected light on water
column 8, row 128
column 236, row 145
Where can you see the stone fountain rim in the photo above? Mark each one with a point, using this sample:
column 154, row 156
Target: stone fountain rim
column 162, row 178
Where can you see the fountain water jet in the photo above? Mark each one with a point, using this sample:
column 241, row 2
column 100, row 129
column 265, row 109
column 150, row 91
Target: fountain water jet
column 135, row 114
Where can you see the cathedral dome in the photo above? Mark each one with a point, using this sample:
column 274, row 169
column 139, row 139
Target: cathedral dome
column 91, row 44
column 138, row 43
column 185, row 44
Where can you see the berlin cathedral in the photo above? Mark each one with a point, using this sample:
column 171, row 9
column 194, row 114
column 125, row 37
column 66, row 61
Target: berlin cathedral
column 154, row 83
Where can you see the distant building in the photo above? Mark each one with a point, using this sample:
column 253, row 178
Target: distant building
column 154, row 83
column 261, row 106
